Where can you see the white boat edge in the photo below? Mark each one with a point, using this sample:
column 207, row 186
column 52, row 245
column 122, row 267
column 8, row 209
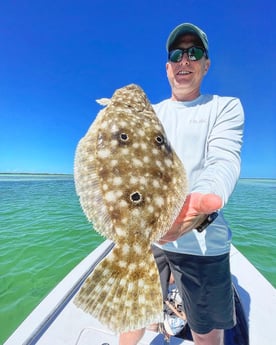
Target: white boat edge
column 57, row 321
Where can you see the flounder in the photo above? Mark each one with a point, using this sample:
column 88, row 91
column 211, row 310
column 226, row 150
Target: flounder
column 131, row 186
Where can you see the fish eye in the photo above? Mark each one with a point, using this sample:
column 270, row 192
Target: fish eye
column 159, row 139
column 123, row 137
column 136, row 197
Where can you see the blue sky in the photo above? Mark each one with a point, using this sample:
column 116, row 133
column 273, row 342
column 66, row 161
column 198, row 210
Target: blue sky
column 58, row 56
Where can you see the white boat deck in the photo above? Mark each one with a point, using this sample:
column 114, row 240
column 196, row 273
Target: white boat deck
column 258, row 297
column 71, row 326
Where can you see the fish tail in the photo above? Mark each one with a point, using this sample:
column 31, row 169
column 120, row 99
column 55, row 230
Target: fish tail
column 123, row 294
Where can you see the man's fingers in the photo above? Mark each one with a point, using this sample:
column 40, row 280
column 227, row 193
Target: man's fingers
column 209, row 203
column 194, row 211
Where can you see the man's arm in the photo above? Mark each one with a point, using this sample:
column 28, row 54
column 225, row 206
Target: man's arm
column 222, row 166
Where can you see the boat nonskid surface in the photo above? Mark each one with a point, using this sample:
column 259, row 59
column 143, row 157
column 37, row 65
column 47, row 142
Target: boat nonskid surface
column 101, row 337
column 80, row 329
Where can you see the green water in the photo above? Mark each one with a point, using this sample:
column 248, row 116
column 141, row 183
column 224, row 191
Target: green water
column 44, row 234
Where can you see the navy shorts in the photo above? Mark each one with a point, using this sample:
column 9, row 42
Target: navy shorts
column 205, row 286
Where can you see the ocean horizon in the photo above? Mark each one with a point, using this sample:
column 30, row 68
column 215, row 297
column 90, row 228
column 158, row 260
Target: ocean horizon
column 44, row 235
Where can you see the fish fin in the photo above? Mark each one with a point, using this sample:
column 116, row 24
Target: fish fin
column 103, row 101
column 123, row 294
column 87, row 183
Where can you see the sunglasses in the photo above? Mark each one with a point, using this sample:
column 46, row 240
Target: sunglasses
column 194, row 54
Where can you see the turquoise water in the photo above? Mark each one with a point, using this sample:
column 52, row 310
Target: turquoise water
column 44, row 234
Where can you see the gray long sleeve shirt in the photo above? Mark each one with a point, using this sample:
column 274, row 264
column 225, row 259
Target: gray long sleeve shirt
column 206, row 133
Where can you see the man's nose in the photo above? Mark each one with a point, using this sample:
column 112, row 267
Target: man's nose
column 185, row 59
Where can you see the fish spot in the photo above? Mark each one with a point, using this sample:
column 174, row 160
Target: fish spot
column 110, row 196
column 156, row 184
column 159, row 201
column 125, row 151
column 141, row 283
column 137, row 248
column 123, row 203
column 113, row 162
column 114, row 128
column 158, row 163
column 144, row 146
column 143, row 180
column 146, row 159
column 157, row 127
column 133, row 180
column 136, row 162
column 136, row 213
column 104, row 124
column 130, row 284
column 117, row 181
column 150, row 209
column 114, row 143
column 140, row 132
column 123, row 123
column 104, row 153
column 105, row 186
column 142, row 299
column 132, row 266
column 122, row 264
column 125, row 248
column 119, row 193
column 168, row 162
column 136, row 198
column 120, row 232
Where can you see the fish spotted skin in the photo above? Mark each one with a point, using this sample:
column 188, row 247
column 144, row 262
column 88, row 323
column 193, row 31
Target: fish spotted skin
column 131, row 186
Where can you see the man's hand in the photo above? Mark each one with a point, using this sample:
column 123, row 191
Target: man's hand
column 195, row 209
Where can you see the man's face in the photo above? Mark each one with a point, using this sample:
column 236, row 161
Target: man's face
column 185, row 77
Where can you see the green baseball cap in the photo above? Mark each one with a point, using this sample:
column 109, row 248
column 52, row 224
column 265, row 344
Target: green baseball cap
column 183, row 29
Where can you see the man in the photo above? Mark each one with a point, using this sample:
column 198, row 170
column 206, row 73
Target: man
column 206, row 133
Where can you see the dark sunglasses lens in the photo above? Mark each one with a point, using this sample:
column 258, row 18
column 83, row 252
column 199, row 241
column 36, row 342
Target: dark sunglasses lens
column 195, row 53
column 176, row 55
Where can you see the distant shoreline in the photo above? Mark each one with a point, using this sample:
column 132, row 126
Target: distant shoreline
column 67, row 174
column 29, row 173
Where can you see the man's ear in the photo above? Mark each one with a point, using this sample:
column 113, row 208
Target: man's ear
column 207, row 66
